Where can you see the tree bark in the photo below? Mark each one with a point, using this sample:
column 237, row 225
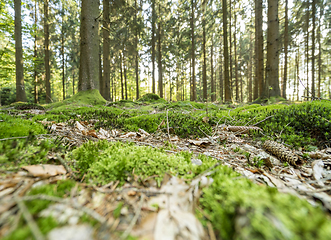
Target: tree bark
column 313, row 48
column 319, row 52
column 89, row 46
column 35, row 73
column 235, row 59
column 286, row 37
column 105, row 84
column 20, row 88
column 62, row 54
column 204, row 67
column 136, row 52
column 259, row 71
column 227, row 96
column 160, row 80
column 212, row 81
column 272, row 79
column 47, row 67
column 193, row 87
column 153, row 45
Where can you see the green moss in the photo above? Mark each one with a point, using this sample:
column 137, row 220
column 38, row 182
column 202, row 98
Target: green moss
column 83, row 98
column 103, row 162
column 150, row 97
column 17, row 127
column 240, row 209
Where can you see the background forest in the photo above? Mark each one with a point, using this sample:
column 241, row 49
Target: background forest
column 182, row 50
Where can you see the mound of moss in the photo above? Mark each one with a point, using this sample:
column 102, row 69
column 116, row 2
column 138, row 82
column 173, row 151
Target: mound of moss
column 103, row 162
column 149, row 97
column 81, row 99
column 240, row 209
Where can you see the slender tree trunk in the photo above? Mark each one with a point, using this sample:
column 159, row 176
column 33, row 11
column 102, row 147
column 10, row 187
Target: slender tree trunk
column 47, row 67
column 193, row 89
column 153, row 45
column 73, row 82
column 136, row 53
column 319, row 52
column 230, row 51
column 89, row 46
column 125, row 77
column 307, row 46
column 227, row 96
column 160, row 81
column 259, row 84
column 20, row 89
column 297, row 69
column 105, row 83
column 220, row 64
column 235, row 59
column 313, row 48
column 121, row 70
column 62, row 53
column 286, row 37
column 213, row 90
column 35, row 74
column 204, row 67
column 250, row 70
column 272, row 80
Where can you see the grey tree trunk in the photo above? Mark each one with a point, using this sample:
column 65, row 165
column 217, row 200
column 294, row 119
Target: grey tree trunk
column 193, row 86
column 20, row 89
column 272, row 79
column 259, row 58
column 35, row 74
column 153, row 45
column 286, row 37
column 313, row 48
column 136, row 53
column 160, row 80
column 89, row 46
column 212, row 80
column 204, row 67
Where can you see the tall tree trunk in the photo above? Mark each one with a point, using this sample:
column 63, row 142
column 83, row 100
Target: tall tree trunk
column 105, row 83
column 221, row 72
column 230, row 51
column 307, row 47
column 227, row 96
column 259, row 83
column 297, row 69
column 20, row 89
column 89, row 46
column 286, row 37
column 35, row 74
column 160, row 80
column 125, row 76
column 47, row 67
column 235, row 59
column 62, row 53
column 136, row 52
column 121, row 70
column 204, row 67
column 153, row 45
column 212, row 80
column 319, row 52
column 272, row 80
column 313, row 48
column 193, row 86
column 250, row 70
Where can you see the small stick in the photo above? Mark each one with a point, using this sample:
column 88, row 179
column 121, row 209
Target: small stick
column 134, row 220
column 29, row 219
column 65, row 165
column 211, row 231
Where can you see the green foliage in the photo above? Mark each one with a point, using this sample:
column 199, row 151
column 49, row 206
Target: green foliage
column 18, row 127
column 240, row 209
column 25, row 106
column 8, row 95
column 103, row 162
column 29, row 151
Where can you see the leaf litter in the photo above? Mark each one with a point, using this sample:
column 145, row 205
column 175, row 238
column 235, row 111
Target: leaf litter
column 146, row 211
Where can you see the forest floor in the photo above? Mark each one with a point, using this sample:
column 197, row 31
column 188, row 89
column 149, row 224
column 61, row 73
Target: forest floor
column 84, row 175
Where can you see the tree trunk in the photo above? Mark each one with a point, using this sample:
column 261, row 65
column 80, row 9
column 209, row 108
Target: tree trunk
column 286, row 37
column 153, row 45
column 313, row 49
column 193, row 87
column 136, row 52
column 47, row 67
column 272, row 80
column 160, row 80
column 221, row 72
column 250, row 70
column 230, row 50
column 319, row 52
column 62, row 53
column 307, row 48
column 227, row 96
column 89, row 46
column 204, row 67
column 235, row 59
column 259, row 83
column 213, row 90
column 35, row 74
column 121, row 70
column 105, row 84
column 20, row 89
column 125, row 77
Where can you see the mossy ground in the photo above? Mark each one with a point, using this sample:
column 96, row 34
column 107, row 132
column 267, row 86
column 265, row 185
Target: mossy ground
column 236, row 207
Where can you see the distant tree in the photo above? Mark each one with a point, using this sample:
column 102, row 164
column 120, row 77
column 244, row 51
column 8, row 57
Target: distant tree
column 89, row 46
column 46, row 43
column 20, row 89
column 105, row 83
column 227, row 86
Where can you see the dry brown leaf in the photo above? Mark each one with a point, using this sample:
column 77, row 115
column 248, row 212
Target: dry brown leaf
column 45, row 170
column 200, row 143
column 205, row 119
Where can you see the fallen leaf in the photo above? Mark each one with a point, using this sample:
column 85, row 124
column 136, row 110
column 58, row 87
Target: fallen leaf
column 45, row 170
